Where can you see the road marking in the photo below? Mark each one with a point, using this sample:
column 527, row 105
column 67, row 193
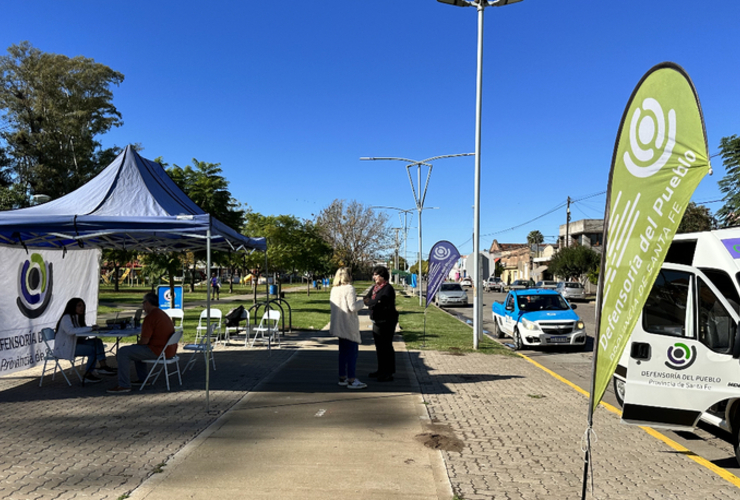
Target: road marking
column 723, row 473
column 320, row 413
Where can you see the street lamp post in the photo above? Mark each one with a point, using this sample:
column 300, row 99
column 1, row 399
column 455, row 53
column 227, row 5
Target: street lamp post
column 405, row 223
column 480, row 5
column 419, row 195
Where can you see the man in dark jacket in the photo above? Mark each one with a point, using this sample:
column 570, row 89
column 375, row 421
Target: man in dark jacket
column 381, row 300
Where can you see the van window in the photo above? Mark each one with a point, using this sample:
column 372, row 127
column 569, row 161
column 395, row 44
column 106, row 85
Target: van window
column 665, row 308
column 681, row 252
column 724, row 284
column 716, row 326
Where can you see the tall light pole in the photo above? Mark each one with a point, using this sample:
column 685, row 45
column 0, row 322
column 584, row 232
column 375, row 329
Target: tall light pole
column 480, row 5
column 419, row 195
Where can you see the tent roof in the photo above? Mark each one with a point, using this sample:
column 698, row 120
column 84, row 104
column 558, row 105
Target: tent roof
column 132, row 204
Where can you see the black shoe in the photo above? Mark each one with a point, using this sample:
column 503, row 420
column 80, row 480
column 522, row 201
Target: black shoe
column 373, row 375
column 91, row 378
column 386, row 378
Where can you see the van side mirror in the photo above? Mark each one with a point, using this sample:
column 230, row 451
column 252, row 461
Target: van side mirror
column 736, row 344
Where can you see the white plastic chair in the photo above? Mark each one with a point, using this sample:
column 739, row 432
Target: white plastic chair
column 174, row 315
column 201, row 346
column 235, row 329
column 270, row 325
column 203, row 322
column 163, row 362
column 48, row 334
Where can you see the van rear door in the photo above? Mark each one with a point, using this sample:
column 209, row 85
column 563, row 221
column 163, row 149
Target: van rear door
column 680, row 353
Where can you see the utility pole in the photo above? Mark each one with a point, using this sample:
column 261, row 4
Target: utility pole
column 398, row 276
column 567, row 226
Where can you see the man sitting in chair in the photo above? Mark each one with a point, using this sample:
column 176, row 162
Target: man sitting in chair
column 155, row 331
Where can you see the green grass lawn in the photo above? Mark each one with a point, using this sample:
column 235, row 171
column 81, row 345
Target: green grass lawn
column 312, row 312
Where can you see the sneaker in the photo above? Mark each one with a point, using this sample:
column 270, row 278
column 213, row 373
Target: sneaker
column 106, row 371
column 356, row 384
column 91, row 378
column 343, row 381
column 118, row 390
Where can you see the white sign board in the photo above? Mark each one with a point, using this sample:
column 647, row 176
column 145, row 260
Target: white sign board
column 37, row 285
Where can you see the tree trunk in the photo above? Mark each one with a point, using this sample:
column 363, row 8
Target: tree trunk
column 116, row 267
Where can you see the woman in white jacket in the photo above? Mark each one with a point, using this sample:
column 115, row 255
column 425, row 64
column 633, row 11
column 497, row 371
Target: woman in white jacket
column 346, row 325
column 67, row 344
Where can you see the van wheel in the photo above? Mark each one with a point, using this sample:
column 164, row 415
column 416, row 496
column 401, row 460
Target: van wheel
column 518, row 344
column 497, row 332
column 619, row 391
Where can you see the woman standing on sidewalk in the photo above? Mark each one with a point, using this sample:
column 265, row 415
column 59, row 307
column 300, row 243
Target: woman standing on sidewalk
column 346, row 325
column 381, row 300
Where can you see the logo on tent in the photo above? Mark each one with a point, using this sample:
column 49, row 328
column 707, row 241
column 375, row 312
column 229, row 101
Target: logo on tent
column 34, row 286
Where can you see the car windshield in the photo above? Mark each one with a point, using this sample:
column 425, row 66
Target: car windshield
column 451, row 287
column 542, row 302
column 573, row 285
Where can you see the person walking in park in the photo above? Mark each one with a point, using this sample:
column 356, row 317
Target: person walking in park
column 215, row 286
column 381, row 300
column 345, row 325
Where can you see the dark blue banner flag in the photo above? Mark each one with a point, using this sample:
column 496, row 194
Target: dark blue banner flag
column 441, row 259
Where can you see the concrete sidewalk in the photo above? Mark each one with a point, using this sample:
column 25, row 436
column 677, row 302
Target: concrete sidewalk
column 299, row 435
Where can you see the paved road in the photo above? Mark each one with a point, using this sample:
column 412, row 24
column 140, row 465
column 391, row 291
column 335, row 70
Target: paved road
column 707, row 442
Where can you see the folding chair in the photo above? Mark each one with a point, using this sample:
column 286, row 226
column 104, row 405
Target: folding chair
column 163, row 362
column 268, row 324
column 202, row 323
column 174, row 315
column 48, row 335
column 235, row 329
column 201, row 346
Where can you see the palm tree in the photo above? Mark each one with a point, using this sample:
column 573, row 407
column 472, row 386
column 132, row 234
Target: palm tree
column 535, row 238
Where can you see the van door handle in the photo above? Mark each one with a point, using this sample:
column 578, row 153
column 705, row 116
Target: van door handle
column 640, row 350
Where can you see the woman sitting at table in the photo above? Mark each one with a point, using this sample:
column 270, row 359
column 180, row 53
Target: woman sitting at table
column 67, row 344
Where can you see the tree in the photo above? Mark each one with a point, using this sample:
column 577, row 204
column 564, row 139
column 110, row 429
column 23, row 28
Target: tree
column 355, row 232
column 535, row 238
column 574, row 262
column 204, row 184
column 729, row 214
column 52, row 110
column 424, row 268
column 696, row 218
column 157, row 265
column 118, row 257
column 292, row 245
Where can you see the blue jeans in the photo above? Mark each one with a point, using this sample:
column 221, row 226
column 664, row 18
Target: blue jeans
column 93, row 349
column 348, row 352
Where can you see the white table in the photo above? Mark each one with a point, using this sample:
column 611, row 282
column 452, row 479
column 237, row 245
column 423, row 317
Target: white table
column 108, row 332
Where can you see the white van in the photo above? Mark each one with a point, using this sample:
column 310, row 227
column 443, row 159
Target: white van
column 682, row 361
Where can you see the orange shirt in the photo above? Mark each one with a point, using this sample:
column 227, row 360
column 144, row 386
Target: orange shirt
column 155, row 332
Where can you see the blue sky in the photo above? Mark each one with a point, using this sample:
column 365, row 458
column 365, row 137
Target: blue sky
column 288, row 96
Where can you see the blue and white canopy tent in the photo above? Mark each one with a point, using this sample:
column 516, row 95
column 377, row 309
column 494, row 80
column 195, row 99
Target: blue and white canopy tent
column 133, row 205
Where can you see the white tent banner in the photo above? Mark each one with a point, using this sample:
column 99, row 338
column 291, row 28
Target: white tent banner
column 38, row 284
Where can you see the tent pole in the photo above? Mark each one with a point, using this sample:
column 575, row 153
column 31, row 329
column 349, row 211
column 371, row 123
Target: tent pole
column 208, row 318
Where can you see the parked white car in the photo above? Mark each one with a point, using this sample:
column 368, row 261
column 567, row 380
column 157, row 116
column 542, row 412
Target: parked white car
column 451, row 294
column 546, row 284
column 466, row 281
column 571, row 290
